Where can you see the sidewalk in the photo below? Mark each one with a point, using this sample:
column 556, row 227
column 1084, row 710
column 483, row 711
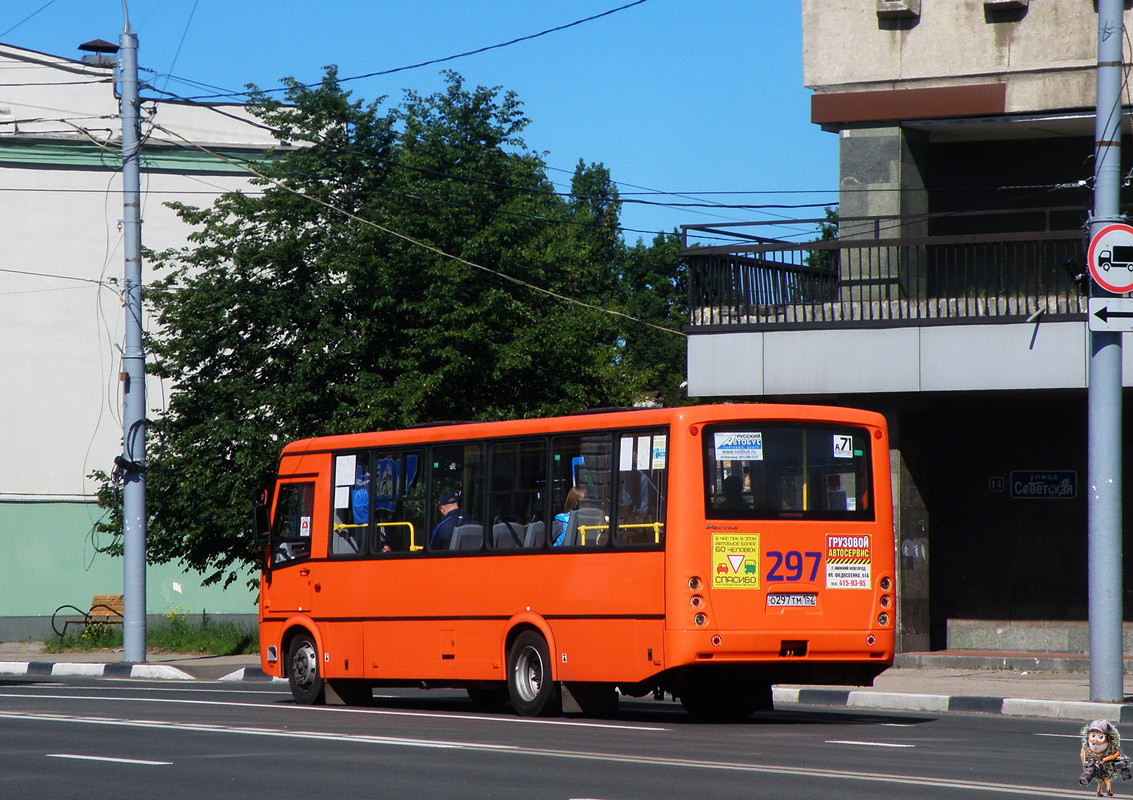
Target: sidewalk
column 28, row 658
column 1013, row 684
column 1053, row 686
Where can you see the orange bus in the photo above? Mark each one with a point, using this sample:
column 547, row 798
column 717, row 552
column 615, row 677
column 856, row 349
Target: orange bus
column 706, row 552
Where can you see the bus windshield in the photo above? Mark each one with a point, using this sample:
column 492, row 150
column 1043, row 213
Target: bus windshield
column 787, row 471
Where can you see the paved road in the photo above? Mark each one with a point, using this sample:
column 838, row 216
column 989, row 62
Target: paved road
column 78, row 738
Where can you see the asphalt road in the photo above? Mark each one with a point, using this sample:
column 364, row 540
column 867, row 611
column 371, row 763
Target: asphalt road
column 74, row 738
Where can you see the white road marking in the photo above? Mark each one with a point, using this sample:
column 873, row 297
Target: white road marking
column 503, row 718
column 1062, row 735
column 867, row 744
column 903, row 779
column 143, row 762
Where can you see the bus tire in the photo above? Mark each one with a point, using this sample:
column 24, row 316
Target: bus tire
column 533, row 692
column 303, row 673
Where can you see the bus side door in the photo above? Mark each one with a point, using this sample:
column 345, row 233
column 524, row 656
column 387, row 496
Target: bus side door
column 288, row 584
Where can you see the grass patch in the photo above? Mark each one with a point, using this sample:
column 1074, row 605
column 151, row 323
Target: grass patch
column 176, row 633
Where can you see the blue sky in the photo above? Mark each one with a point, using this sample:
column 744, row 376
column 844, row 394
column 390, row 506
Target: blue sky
column 690, row 98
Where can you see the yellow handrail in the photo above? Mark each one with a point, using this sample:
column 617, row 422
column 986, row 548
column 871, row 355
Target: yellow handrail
column 412, row 531
column 656, row 526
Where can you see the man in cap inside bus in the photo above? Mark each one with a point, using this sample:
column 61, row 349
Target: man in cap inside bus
column 442, row 534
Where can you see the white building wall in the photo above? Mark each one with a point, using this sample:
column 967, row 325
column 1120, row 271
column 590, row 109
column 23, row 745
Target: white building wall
column 906, row 359
column 62, row 322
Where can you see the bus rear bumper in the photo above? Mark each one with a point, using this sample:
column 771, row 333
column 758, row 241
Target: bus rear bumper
column 802, row 656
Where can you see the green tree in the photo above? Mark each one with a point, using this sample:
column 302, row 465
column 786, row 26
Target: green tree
column 324, row 304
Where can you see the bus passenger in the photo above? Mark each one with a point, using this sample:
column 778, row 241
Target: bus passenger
column 442, row 534
column 559, row 526
column 733, row 487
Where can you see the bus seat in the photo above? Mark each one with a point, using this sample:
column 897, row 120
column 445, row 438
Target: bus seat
column 507, row 535
column 583, row 517
column 467, row 537
column 534, row 536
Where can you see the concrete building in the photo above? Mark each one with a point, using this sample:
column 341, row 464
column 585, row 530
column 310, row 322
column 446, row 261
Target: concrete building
column 63, row 320
column 952, row 299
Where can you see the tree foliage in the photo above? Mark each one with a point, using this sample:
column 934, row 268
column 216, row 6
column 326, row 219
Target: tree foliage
column 297, row 311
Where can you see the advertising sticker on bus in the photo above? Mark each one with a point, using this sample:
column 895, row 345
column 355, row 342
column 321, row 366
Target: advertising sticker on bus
column 848, row 562
column 739, row 446
column 735, row 561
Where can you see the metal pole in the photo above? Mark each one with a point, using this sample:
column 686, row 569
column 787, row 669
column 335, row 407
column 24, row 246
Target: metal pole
column 132, row 462
column 1104, row 505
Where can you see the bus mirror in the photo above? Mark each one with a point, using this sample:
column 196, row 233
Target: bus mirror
column 261, row 523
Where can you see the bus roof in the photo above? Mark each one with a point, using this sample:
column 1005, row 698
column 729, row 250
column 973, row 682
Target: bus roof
column 604, row 418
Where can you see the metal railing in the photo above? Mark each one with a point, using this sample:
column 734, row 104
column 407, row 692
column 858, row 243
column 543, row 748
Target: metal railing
column 990, row 277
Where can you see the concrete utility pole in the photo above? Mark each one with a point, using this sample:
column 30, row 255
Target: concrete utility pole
column 1105, row 522
column 133, row 459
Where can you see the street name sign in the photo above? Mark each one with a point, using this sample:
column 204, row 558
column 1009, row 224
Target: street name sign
column 1110, row 258
column 1113, row 314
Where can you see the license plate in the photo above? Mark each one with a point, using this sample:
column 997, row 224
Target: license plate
column 796, row 599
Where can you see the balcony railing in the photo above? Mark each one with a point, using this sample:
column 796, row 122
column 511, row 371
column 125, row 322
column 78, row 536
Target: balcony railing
column 986, row 277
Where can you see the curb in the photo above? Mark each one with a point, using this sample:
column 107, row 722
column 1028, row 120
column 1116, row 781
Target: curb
column 939, row 703
column 120, row 670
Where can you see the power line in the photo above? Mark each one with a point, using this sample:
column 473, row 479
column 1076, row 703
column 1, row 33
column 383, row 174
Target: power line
column 441, row 60
column 25, row 19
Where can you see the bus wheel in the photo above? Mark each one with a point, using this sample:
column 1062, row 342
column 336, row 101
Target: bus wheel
column 533, row 692
column 303, row 671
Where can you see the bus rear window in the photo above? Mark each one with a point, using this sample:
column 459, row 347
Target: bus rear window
column 787, row 471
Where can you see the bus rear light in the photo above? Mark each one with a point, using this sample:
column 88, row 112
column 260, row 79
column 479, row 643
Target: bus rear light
column 700, row 619
column 716, row 640
column 885, row 584
column 694, row 583
column 870, row 640
column 696, row 601
column 885, row 601
column 883, row 619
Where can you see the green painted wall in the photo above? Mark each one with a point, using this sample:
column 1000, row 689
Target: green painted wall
column 52, row 561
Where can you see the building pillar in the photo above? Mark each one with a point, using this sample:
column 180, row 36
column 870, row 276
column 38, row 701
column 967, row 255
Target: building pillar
column 882, row 195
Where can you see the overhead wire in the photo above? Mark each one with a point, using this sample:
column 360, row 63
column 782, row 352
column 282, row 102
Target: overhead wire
column 443, row 59
column 29, row 16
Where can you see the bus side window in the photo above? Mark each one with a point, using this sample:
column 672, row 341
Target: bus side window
column 581, row 490
column 642, row 473
column 519, row 478
column 291, row 531
column 351, row 500
column 399, row 503
column 457, row 470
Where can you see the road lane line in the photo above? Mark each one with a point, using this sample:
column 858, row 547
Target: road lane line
column 110, row 759
column 292, row 707
column 867, row 744
column 902, row 779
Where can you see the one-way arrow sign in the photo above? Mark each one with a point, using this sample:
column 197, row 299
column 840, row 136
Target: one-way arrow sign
column 1114, row 314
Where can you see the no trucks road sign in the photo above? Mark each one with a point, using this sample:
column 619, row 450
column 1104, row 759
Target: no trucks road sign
column 1110, row 258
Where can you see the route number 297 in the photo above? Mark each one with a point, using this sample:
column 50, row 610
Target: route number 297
column 789, row 566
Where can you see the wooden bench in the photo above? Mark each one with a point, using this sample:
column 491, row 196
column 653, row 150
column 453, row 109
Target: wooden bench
column 105, row 609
